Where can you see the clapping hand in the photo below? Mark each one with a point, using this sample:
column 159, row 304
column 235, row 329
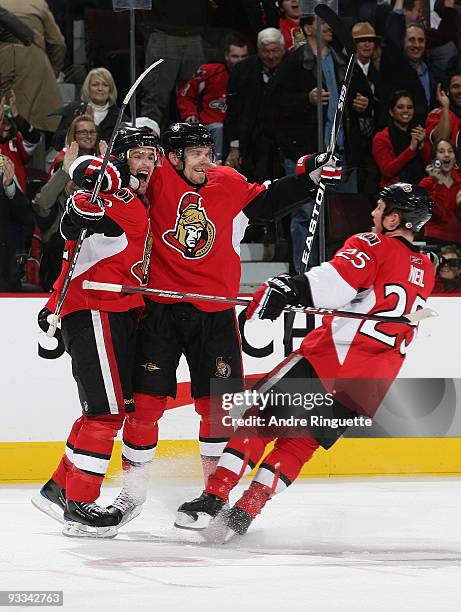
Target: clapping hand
column 70, row 156
column 418, row 134
column 8, row 171
column 102, row 145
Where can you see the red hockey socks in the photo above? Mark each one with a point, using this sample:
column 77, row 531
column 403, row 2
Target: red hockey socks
column 283, row 464
column 221, row 482
column 140, row 431
column 239, row 457
column 278, row 470
column 65, row 465
column 91, row 456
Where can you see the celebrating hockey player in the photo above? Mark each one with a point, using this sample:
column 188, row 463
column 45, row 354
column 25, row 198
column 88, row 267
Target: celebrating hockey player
column 199, row 212
column 99, row 329
column 380, row 272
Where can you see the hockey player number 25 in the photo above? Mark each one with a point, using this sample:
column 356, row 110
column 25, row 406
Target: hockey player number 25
column 357, row 258
column 369, row 328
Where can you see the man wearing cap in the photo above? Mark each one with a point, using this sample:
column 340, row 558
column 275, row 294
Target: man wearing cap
column 365, row 110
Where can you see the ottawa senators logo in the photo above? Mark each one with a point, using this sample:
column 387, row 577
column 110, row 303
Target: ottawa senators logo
column 223, row 369
column 140, row 269
column 193, row 234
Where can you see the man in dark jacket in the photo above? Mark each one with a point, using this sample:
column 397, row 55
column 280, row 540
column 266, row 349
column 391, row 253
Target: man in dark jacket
column 247, row 126
column 294, row 94
column 294, row 107
column 403, row 64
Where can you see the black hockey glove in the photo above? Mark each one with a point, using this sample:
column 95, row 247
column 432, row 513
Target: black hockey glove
column 82, row 212
column 320, row 167
column 277, row 293
column 85, row 170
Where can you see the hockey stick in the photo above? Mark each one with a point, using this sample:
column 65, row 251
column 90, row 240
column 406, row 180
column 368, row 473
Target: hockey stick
column 331, row 18
column 414, row 317
column 78, row 245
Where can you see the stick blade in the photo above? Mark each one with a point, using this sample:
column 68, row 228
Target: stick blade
column 421, row 314
column 339, row 29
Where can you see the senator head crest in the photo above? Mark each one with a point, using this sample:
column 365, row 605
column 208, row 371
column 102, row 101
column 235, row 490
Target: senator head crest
column 193, row 234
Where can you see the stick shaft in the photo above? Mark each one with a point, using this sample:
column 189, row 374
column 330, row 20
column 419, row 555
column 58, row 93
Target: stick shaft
column 241, row 301
column 330, row 17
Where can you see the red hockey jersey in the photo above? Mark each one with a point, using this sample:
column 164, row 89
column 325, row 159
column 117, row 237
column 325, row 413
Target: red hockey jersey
column 371, row 273
column 119, row 255
column 197, row 234
column 205, row 94
column 293, row 35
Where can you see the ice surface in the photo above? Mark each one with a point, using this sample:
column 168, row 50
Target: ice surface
column 323, row 545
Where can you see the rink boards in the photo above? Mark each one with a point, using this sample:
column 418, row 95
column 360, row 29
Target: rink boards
column 40, row 403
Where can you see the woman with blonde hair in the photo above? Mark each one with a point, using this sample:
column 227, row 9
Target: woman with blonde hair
column 98, row 100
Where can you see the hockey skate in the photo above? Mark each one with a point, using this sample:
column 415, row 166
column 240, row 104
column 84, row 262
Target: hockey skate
column 89, row 520
column 227, row 524
column 51, row 500
column 125, row 507
column 198, row 513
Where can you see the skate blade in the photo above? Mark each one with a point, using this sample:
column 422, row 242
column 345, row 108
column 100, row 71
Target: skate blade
column 78, row 530
column 129, row 516
column 218, row 532
column 186, row 521
column 48, row 507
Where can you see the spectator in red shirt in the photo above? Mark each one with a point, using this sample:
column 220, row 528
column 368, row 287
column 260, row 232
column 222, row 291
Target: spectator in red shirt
column 293, row 34
column 397, row 148
column 444, row 186
column 203, row 98
column 445, row 121
column 18, row 139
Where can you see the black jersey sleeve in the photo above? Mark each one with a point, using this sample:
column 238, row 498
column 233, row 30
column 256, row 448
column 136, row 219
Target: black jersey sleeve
column 281, row 197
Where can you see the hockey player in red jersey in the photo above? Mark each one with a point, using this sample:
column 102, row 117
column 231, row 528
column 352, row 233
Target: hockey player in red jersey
column 354, row 361
column 199, row 213
column 98, row 329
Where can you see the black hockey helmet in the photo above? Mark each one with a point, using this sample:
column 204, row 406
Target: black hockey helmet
column 131, row 138
column 411, row 201
column 179, row 136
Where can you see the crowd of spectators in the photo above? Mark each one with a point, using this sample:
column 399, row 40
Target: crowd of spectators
column 247, row 70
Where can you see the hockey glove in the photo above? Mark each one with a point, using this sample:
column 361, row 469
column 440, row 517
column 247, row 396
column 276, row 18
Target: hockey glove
column 85, row 170
column 82, row 212
column 277, row 293
column 320, row 167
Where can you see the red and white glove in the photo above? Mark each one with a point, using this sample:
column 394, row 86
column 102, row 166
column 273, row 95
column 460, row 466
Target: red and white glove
column 320, row 167
column 82, row 212
column 276, row 294
column 85, row 170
